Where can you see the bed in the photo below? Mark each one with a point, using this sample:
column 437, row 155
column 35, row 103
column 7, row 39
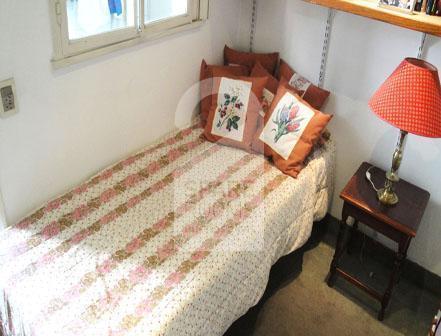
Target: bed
column 177, row 239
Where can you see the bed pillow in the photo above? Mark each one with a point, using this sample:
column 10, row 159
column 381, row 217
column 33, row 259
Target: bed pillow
column 269, row 60
column 257, row 145
column 308, row 91
column 292, row 128
column 236, row 102
column 206, row 84
column 270, row 89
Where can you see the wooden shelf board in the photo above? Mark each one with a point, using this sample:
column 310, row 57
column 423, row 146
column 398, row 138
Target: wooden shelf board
column 369, row 8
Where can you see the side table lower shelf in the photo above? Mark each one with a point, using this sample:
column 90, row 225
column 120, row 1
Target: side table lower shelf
column 342, row 243
column 369, row 290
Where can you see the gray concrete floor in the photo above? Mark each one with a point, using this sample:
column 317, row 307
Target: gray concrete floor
column 298, row 301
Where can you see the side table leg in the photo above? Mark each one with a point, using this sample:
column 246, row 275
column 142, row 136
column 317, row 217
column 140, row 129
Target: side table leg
column 406, row 247
column 398, row 262
column 353, row 230
column 338, row 249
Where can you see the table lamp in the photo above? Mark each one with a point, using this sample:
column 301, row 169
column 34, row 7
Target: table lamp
column 410, row 100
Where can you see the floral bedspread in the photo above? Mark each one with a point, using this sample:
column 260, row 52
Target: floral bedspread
column 177, row 239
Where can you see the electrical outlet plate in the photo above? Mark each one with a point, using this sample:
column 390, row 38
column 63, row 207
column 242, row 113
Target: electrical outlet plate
column 8, row 98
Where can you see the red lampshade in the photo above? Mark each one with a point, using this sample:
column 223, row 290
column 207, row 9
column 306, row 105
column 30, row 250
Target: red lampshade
column 410, row 99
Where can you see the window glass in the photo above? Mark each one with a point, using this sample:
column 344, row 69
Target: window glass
column 93, row 17
column 156, row 10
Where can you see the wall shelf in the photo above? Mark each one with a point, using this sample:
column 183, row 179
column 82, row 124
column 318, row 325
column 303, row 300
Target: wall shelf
column 369, row 8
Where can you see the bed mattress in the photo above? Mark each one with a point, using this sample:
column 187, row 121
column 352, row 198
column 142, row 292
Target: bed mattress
column 177, row 239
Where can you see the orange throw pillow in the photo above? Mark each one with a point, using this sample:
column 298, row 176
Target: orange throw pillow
column 236, row 103
column 269, row 60
column 292, row 128
column 206, row 84
column 308, row 91
column 269, row 91
column 271, row 86
column 260, row 71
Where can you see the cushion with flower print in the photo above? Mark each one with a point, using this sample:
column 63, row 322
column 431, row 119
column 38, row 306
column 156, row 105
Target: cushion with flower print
column 308, row 91
column 268, row 60
column 267, row 99
column 206, row 84
column 236, row 102
column 292, row 128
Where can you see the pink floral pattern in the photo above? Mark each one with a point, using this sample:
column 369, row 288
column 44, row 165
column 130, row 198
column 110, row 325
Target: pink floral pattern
column 130, row 321
column 26, row 222
column 65, row 246
column 120, row 187
column 169, row 248
column 159, row 255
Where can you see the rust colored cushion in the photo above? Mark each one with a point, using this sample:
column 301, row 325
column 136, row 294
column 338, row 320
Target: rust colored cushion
column 235, row 107
column 269, row 60
column 206, row 84
column 292, row 128
column 259, row 71
column 308, row 91
column 270, row 88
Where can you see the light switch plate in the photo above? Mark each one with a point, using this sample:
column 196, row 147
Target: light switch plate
column 8, row 98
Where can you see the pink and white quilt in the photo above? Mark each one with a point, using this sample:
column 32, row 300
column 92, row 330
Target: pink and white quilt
column 177, row 239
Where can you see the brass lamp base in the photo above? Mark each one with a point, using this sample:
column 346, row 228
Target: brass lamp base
column 387, row 196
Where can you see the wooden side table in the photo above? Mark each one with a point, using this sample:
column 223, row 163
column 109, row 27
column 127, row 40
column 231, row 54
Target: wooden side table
column 399, row 223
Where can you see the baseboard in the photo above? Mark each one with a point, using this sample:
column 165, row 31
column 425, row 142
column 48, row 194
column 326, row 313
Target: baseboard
column 411, row 271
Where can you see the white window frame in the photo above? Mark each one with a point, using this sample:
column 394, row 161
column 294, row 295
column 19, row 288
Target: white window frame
column 67, row 52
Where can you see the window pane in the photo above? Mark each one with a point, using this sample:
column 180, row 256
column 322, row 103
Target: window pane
column 156, row 10
column 92, row 17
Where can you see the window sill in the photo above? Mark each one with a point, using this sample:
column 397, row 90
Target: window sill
column 61, row 62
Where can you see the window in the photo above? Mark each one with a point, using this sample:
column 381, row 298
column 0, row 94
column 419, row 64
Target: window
column 160, row 10
column 95, row 17
column 83, row 28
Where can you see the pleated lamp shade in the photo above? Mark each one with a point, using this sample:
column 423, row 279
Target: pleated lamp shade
column 410, row 99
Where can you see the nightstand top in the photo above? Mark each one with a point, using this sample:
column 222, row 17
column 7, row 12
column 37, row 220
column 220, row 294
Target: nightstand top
column 405, row 216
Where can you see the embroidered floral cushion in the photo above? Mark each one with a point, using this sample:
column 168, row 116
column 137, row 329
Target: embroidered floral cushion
column 292, row 128
column 269, row 60
column 236, row 103
column 257, row 145
column 308, row 91
column 206, row 84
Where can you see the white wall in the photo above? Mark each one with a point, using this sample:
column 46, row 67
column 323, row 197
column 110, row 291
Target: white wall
column 362, row 54
column 75, row 121
column 2, row 213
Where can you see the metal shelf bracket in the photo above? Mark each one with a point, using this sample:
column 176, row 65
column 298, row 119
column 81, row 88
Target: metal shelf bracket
column 253, row 25
column 326, row 42
column 421, row 47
